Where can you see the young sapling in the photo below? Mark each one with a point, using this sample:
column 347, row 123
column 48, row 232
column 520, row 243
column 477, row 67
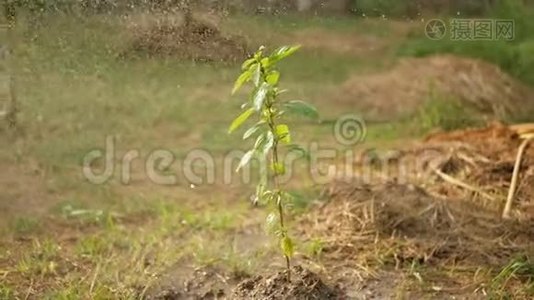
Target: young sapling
column 270, row 133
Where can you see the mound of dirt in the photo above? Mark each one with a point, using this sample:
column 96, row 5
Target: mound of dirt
column 192, row 39
column 304, row 285
column 187, row 282
column 396, row 224
column 401, row 91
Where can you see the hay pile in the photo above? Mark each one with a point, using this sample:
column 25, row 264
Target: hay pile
column 399, row 92
column 481, row 158
column 410, row 215
column 173, row 35
column 484, row 159
column 366, row 225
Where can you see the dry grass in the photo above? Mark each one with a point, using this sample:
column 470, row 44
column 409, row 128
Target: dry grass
column 402, row 90
column 374, row 228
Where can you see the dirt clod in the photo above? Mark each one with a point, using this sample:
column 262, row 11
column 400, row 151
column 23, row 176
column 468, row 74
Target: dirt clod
column 304, row 285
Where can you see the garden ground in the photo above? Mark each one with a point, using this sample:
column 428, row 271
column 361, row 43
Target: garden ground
column 82, row 80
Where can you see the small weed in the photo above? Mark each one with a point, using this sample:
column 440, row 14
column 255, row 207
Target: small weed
column 91, row 246
column 41, row 259
column 314, row 247
column 217, row 220
column 70, row 293
column 6, row 292
column 521, row 269
column 45, row 250
column 415, row 270
column 25, row 225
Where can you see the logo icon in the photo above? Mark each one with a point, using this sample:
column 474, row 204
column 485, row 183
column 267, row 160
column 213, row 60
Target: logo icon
column 350, row 130
column 435, row 29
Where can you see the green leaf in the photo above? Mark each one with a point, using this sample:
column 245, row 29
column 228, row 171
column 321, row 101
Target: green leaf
column 282, row 133
column 302, row 108
column 256, row 74
column 259, row 53
column 287, row 246
column 283, row 52
column 279, row 168
column 248, row 63
column 272, row 223
column 258, row 197
column 244, row 77
column 259, row 141
column 260, row 190
column 252, row 130
column 265, row 63
column 269, row 143
column 260, row 95
column 245, row 159
column 240, row 119
column 273, row 77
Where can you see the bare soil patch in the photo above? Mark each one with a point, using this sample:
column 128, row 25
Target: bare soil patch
column 216, row 283
column 24, row 190
column 304, row 284
column 400, row 91
column 193, row 283
column 342, row 43
column 351, row 42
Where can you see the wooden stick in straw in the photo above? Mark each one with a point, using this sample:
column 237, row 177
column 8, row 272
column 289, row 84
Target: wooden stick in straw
column 515, row 175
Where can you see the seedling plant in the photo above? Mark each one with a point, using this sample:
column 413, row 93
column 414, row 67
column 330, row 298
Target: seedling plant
column 270, row 132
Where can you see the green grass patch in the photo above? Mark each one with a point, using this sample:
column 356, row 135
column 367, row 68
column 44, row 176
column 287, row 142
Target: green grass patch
column 25, row 225
column 512, row 56
column 446, row 113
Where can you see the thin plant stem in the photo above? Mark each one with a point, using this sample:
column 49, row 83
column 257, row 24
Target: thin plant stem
column 272, row 126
